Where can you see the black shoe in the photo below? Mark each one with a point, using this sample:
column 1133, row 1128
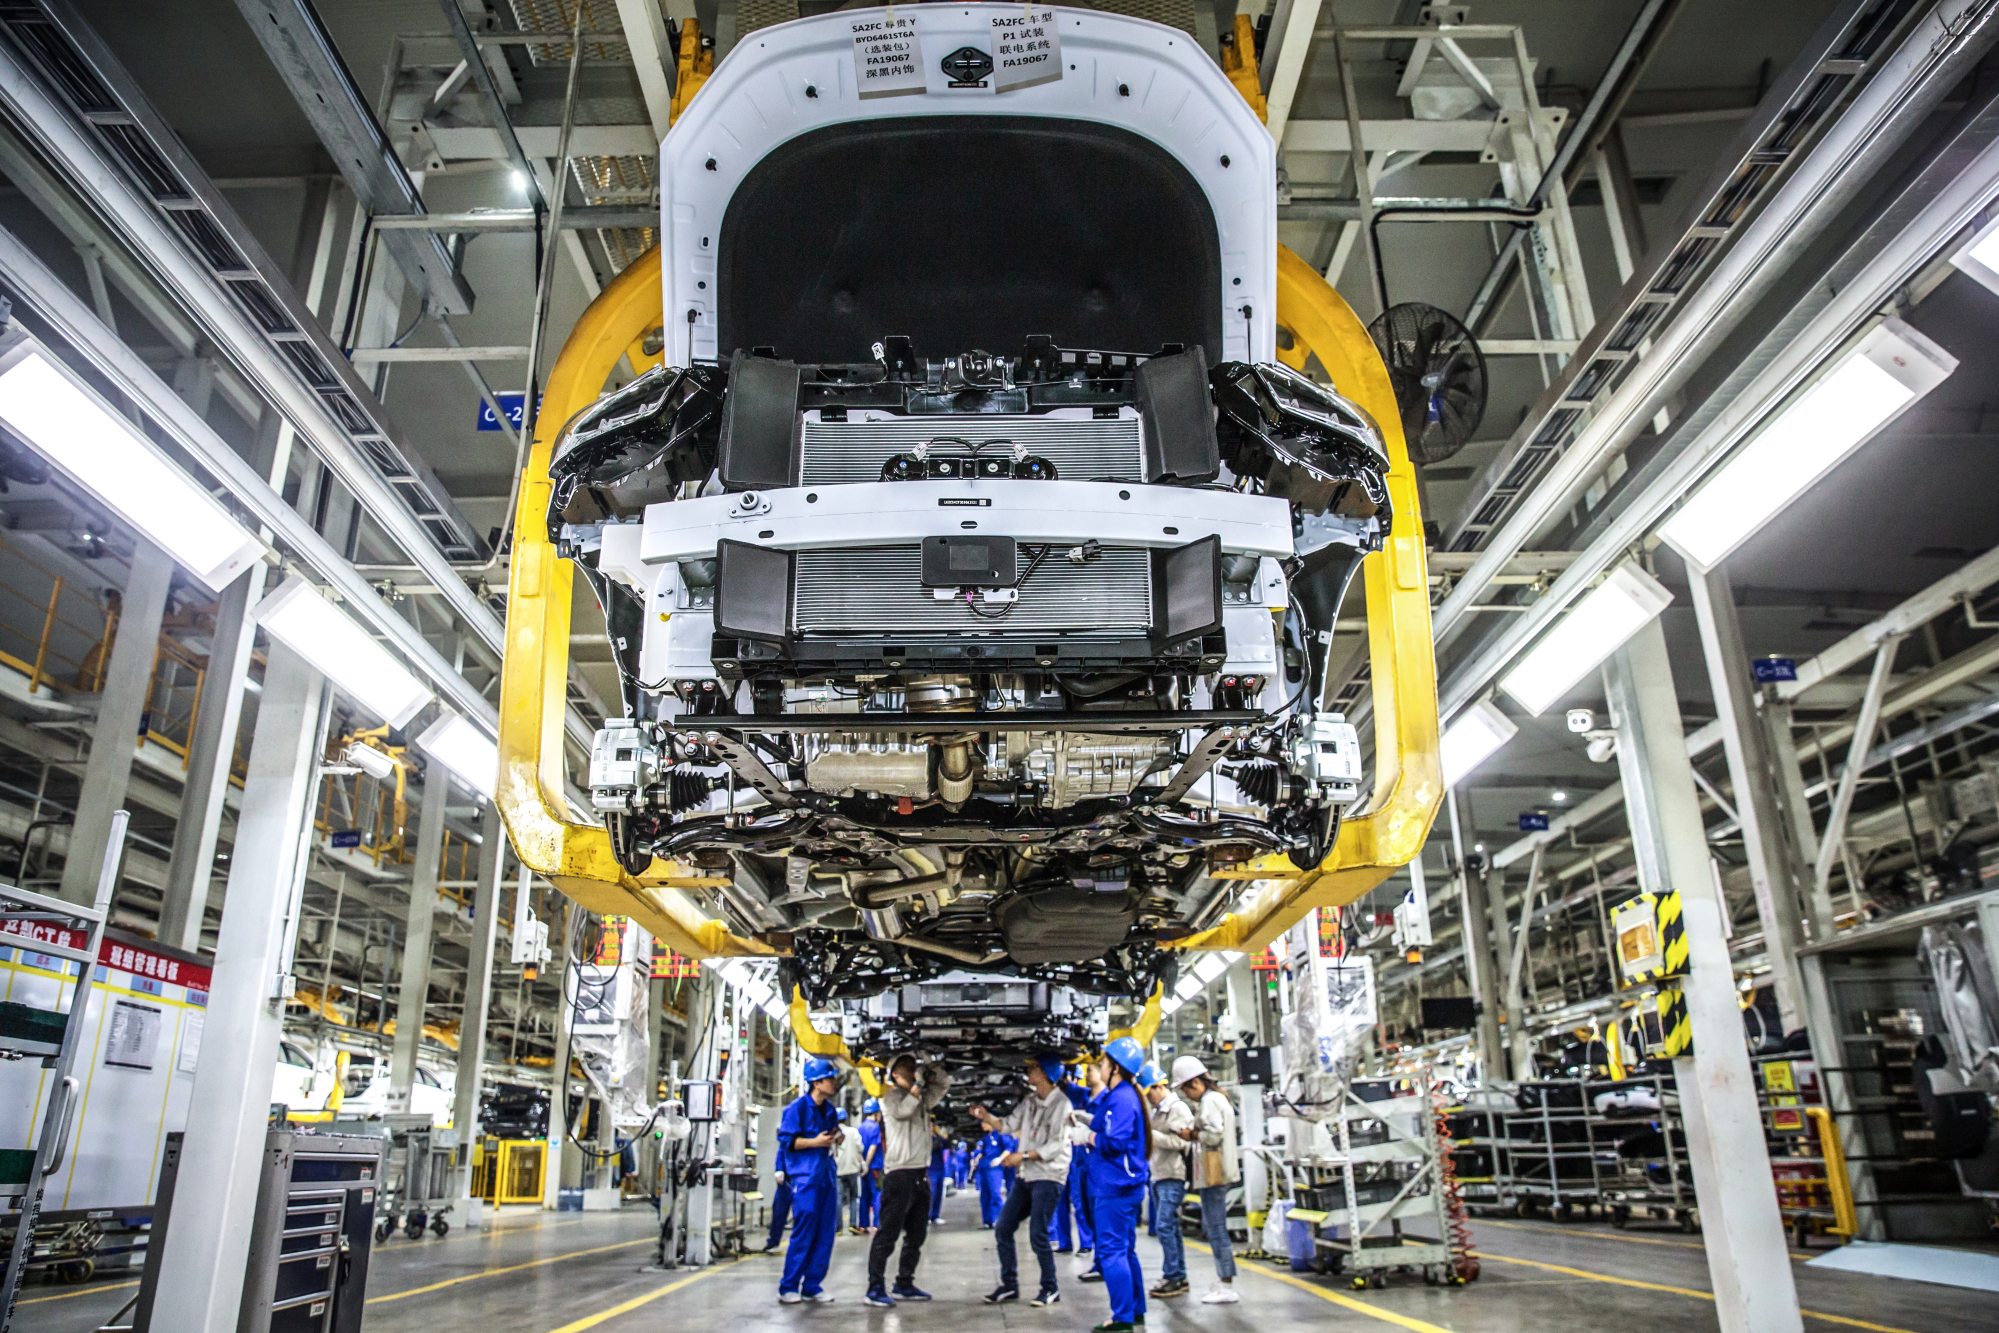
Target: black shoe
column 908, row 1291
column 1043, row 1300
column 1002, row 1294
column 1094, row 1275
column 1112, row 1326
column 1063, row 1249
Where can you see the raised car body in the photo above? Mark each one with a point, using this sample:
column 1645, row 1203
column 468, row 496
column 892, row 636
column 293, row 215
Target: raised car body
column 970, row 565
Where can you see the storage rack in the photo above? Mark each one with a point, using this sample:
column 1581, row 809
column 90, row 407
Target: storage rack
column 1660, row 1185
column 44, row 925
column 1558, row 1154
column 1382, row 1194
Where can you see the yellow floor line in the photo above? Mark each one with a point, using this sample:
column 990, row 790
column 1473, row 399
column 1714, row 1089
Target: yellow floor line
column 591, row 1321
column 84, row 1291
column 482, row 1275
column 1708, row 1296
column 1592, row 1234
column 1324, row 1293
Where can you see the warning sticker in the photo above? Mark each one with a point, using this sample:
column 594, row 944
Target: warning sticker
column 888, row 55
column 1027, row 48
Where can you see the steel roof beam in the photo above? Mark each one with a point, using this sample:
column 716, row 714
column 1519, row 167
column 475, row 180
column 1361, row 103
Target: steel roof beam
column 297, row 42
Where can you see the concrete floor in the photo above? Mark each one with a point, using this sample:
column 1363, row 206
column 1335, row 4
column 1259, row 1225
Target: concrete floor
column 564, row 1273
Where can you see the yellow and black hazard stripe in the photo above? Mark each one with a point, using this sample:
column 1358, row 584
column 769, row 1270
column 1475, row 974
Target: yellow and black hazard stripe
column 1676, row 1025
column 1672, row 935
column 1669, row 930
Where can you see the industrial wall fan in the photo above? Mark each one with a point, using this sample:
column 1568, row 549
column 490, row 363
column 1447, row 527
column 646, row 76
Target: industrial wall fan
column 1438, row 374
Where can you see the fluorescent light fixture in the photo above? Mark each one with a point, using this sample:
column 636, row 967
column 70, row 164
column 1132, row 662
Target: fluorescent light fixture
column 1472, row 738
column 1210, row 966
column 1599, row 623
column 114, row 461
column 1171, row 1006
column 1980, row 259
column 1859, row 393
column 472, row 756
column 300, row 618
column 1189, row 986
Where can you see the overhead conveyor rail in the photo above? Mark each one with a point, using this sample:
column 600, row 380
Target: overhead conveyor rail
column 1790, row 119
column 76, row 71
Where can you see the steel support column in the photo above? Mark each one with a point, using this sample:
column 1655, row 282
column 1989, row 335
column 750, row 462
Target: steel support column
column 1834, row 837
column 478, row 1008
column 1481, row 963
column 1518, row 1035
column 558, row 1095
column 1776, row 870
column 1747, row 1251
column 211, row 745
column 418, row 935
column 121, row 706
column 203, row 1262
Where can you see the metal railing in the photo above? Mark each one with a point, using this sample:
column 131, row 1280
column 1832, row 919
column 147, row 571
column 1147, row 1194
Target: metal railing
column 70, row 641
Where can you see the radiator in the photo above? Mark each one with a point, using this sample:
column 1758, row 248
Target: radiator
column 878, row 590
column 1081, row 447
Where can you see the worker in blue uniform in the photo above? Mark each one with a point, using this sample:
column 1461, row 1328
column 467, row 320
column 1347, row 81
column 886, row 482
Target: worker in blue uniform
column 938, row 1146
column 1075, row 1200
column 961, row 1165
column 780, row 1212
column 871, row 1162
column 1119, row 1137
column 806, row 1136
column 993, row 1145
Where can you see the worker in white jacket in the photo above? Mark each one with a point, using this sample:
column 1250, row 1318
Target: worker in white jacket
column 1172, row 1117
column 1217, row 1166
column 847, row 1161
column 907, row 1100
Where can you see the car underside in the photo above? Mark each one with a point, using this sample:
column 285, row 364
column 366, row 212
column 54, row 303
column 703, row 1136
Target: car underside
column 977, row 661
column 971, row 595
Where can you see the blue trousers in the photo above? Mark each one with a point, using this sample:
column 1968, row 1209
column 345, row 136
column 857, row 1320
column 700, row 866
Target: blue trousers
column 1076, row 1200
column 936, row 1193
column 1033, row 1200
column 1166, row 1197
column 1115, row 1213
column 870, row 1198
column 992, row 1194
column 780, row 1213
column 1215, row 1226
column 815, row 1219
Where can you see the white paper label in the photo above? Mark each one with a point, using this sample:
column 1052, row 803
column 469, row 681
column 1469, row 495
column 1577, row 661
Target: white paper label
column 135, row 1035
column 888, row 55
column 191, row 1027
column 1027, row 48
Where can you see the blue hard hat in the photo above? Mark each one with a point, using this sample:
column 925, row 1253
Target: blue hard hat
column 819, row 1067
column 1151, row 1075
column 1052, row 1067
column 1126, row 1054
column 841, row 1115
column 870, row 1107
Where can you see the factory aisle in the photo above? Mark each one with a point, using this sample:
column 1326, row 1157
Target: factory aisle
column 568, row 1273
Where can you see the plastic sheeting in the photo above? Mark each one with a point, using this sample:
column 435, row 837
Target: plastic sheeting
column 611, row 1020
column 1969, row 999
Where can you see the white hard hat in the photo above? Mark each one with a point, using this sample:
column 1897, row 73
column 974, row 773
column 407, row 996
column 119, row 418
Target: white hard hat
column 1188, row 1067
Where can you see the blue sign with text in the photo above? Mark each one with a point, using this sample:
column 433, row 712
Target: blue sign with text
column 344, row 838
column 1770, row 670
column 1532, row 821
column 512, row 400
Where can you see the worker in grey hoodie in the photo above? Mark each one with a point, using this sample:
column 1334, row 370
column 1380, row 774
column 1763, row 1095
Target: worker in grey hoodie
column 1040, row 1123
column 907, row 1100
